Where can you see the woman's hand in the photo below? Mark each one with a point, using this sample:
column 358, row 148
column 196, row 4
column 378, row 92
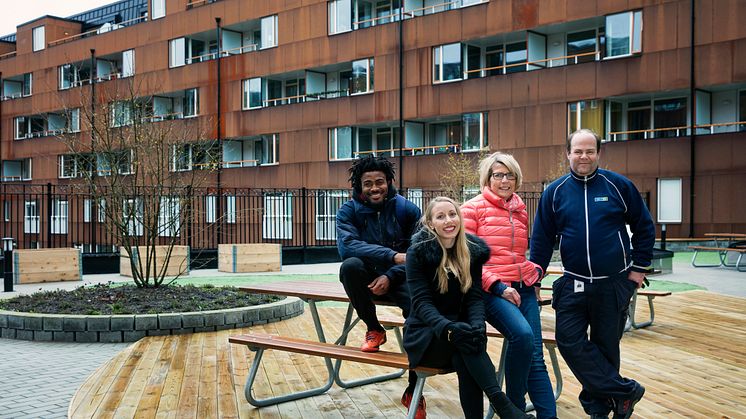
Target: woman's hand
column 512, row 295
column 539, row 298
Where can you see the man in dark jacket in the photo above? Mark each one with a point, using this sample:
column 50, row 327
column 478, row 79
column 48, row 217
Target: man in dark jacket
column 589, row 209
column 374, row 230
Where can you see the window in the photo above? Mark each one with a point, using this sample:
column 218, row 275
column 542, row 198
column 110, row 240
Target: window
column 177, row 52
column 362, row 76
column 121, row 113
column 623, row 34
column 132, row 213
column 87, row 210
column 168, row 217
column 73, row 120
column 447, row 63
column 211, row 208
column 30, row 218
column 340, row 16
column 38, row 38
column 253, row 93
column 181, row 158
column 128, row 63
column 327, row 205
column 474, row 127
column 71, row 76
column 59, row 216
column 583, row 42
column 586, row 114
column 351, row 142
column 277, row 220
column 415, row 196
column 515, row 54
column 340, row 143
column 269, row 32
column 114, row 163
column 74, row 165
column 742, row 109
column 191, row 103
column 101, row 210
column 22, row 127
column 15, row 170
column 157, row 9
column 669, row 113
column 28, row 82
column 230, row 209
column 6, row 210
column 194, row 156
column 648, row 118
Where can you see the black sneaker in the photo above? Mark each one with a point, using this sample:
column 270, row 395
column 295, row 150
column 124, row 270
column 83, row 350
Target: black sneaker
column 624, row 407
column 599, row 416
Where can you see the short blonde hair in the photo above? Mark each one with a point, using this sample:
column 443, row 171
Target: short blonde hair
column 507, row 160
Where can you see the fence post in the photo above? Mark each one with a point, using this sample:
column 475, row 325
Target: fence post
column 49, row 215
column 8, row 259
column 304, row 222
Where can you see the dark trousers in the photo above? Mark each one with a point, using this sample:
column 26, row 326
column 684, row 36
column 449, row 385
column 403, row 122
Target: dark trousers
column 476, row 374
column 355, row 276
column 603, row 305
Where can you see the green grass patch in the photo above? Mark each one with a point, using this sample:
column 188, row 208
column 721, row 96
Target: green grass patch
column 705, row 258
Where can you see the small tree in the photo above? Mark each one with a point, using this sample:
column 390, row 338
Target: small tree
column 461, row 175
column 140, row 169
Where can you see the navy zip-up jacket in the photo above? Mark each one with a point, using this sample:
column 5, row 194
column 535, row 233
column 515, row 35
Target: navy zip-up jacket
column 589, row 214
column 375, row 234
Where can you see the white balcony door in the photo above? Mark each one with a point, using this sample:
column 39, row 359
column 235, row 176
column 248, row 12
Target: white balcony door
column 128, row 63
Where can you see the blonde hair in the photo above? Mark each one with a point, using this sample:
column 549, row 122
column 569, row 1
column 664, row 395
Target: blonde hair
column 459, row 261
column 507, row 160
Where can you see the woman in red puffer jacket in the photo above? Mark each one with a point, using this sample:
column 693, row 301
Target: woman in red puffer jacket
column 498, row 216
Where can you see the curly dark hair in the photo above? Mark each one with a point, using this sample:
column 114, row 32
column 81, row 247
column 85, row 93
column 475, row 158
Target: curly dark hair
column 366, row 164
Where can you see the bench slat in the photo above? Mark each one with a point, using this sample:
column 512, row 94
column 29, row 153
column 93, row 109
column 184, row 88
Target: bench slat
column 329, row 350
column 644, row 293
column 719, row 249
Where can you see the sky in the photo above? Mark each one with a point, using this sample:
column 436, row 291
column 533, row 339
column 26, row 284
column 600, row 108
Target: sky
column 15, row 12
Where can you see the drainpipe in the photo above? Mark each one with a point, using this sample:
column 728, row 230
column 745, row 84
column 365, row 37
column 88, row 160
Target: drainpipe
column 401, row 97
column 2, row 162
column 218, row 134
column 693, row 112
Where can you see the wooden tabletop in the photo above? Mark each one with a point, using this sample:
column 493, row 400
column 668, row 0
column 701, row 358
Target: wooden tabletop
column 306, row 290
column 727, row 235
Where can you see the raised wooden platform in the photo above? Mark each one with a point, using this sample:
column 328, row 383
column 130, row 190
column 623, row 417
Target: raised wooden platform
column 692, row 362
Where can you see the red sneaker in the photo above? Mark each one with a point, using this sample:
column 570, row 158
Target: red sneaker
column 373, row 340
column 406, row 400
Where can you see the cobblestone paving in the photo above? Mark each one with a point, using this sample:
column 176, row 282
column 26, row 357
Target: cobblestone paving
column 38, row 379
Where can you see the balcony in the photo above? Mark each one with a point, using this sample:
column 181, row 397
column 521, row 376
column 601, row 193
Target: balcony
column 251, row 151
column 106, row 27
column 47, row 125
column 17, row 86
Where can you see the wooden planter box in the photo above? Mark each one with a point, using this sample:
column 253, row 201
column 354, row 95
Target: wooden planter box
column 260, row 257
column 177, row 265
column 47, row 265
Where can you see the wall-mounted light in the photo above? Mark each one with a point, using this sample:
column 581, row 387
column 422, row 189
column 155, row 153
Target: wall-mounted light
column 556, row 43
column 726, row 102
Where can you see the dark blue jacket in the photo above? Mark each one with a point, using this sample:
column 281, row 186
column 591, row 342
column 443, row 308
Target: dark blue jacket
column 375, row 234
column 589, row 214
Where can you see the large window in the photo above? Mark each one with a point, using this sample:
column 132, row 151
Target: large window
column 253, row 94
column 581, row 43
column 121, row 113
column 269, row 32
column 327, row 205
column 168, row 217
column 352, row 142
column 59, row 216
column 15, row 170
column 157, row 9
column 623, row 34
column 277, row 220
column 75, row 165
column 194, row 156
column 30, row 218
column 362, row 76
column 191, row 103
column 586, row 114
column 638, row 119
column 132, row 214
column 340, row 16
column 447, row 63
column 252, row 151
column 38, row 38
column 114, row 163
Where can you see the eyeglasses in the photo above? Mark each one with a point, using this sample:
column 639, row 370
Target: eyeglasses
column 500, row 176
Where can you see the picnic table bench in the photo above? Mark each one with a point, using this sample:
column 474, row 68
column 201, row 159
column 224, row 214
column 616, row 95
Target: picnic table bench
column 316, row 291
column 722, row 255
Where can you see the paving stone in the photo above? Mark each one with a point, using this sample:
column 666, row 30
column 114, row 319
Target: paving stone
column 234, row 316
column 251, row 315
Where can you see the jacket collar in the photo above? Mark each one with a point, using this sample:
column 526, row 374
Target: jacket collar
column 514, row 204
column 585, row 179
column 427, row 245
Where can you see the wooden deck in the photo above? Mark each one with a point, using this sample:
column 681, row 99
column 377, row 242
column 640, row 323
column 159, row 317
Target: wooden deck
column 692, row 362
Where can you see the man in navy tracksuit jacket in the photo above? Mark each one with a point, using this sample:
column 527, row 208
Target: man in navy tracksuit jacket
column 588, row 210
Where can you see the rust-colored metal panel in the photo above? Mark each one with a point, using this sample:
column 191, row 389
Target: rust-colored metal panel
column 449, row 28
column 474, row 22
column 411, row 110
column 551, row 11
column 643, row 73
column 498, row 92
column 728, row 18
column 714, row 64
column 552, row 85
column 500, row 16
column 660, row 24
column 525, row 14
column 611, row 78
column 427, row 101
column 512, row 128
column 539, row 121
column 580, row 9
column 704, row 18
column 674, row 69
column 474, row 96
column 450, row 98
column 582, row 80
column 524, row 89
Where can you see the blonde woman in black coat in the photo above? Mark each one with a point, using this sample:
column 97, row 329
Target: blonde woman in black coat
column 446, row 326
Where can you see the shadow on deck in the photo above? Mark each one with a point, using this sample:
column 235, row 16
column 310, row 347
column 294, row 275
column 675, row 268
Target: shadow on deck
column 692, row 362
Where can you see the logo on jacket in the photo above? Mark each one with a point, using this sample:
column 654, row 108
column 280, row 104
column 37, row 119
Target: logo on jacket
column 601, row 199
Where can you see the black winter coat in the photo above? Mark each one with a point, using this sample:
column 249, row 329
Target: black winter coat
column 431, row 310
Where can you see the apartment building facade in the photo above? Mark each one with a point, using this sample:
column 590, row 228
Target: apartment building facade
column 291, row 91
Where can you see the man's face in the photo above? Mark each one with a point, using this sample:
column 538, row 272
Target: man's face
column 583, row 155
column 375, row 187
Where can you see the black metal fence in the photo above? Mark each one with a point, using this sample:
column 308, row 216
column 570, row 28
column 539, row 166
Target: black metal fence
column 49, row 216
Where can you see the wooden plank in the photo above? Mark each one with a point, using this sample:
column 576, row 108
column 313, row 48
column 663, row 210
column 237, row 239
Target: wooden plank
column 188, row 397
column 47, row 265
column 169, row 399
column 256, row 257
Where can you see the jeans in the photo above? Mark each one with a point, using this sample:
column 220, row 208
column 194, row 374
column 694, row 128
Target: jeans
column 603, row 306
column 525, row 370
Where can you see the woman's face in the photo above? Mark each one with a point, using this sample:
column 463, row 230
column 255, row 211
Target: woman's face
column 502, row 181
column 444, row 220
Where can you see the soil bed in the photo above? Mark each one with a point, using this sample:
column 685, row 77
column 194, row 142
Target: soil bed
column 129, row 299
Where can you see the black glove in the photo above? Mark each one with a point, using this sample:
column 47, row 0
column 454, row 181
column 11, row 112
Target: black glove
column 645, row 282
column 463, row 337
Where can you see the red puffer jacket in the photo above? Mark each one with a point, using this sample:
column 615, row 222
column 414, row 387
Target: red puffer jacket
column 503, row 225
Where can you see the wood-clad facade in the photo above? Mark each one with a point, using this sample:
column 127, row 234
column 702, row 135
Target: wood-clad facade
column 526, row 113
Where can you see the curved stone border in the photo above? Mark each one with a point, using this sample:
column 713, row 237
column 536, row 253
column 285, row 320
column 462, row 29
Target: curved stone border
column 131, row 327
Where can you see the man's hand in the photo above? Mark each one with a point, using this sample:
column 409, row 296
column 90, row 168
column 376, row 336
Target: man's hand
column 380, row 285
column 637, row 277
column 512, row 295
column 400, row 258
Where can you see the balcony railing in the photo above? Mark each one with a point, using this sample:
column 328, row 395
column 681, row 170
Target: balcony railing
column 645, row 134
column 540, row 63
column 412, row 151
column 240, row 163
column 99, row 30
column 46, row 133
column 196, row 3
column 437, row 8
column 8, row 55
column 12, row 96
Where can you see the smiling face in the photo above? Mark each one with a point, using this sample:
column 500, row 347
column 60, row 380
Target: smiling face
column 446, row 223
column 499, row 182
column 583, row 155
column 374, row 187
